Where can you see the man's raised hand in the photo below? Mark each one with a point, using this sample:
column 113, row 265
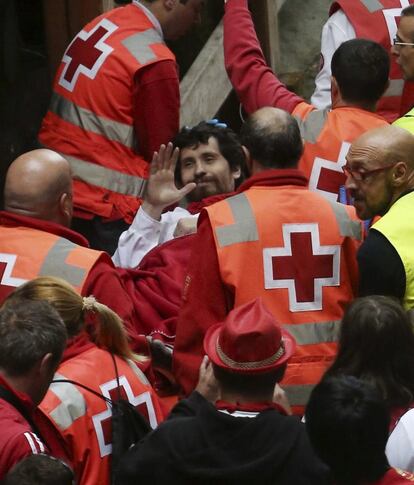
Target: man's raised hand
column 161, row 190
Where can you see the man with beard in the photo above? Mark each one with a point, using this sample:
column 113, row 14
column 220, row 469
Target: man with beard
column 210, row 161
column 380, row 179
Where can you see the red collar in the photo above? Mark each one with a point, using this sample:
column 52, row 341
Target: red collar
column 24, row 398
column 251, row 407
column 76, row 345
column 14, row 220
column 275, row 177
column 268, row 178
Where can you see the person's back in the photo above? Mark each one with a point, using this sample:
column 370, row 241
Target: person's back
column 359, row 76
column 347, row 422
column 360, row 71
column 85, row 419
column 115, row 100
column 93, row 358
column 244, row 437
column 300, row 259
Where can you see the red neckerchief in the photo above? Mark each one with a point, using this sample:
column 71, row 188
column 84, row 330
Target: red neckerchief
column 268, row 178
column 256, row 407
column 14, row 220
column 76, row 345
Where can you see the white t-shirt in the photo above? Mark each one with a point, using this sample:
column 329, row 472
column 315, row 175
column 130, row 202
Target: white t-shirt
column 400, row 445
column 336, row 30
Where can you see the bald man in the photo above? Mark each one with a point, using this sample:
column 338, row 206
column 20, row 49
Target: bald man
column 35, row 239
column 279, row 241
column 380, row 179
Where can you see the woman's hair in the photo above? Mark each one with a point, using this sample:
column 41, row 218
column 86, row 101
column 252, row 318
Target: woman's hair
column 73, row 309
column 376, row 344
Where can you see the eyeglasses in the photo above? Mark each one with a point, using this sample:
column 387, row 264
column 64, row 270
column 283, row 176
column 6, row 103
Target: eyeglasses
column 397, row 42
column 360, row 175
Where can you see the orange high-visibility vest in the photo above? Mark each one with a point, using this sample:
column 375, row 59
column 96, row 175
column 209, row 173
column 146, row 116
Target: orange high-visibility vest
column 378, row 20
column 327, row 135
column 90, row 117
column 85, row 420
column 28, row 253
column 297, row 251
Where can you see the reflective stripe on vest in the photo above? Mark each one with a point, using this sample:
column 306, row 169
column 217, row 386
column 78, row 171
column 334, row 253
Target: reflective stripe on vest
column 395, row 88
column 372, row 5
column 72, row 407
column 55, row 263
column 89, row 121
column 312, row 125
column 139, row 45
column 314, row 333
column 244, row 228
column 106, row 178
column 298, row 395
column 347, row 226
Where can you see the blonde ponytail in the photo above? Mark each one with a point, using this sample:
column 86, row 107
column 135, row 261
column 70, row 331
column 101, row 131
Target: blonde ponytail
column 110, row 332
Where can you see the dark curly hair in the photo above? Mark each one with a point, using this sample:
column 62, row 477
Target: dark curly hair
column 227, row 140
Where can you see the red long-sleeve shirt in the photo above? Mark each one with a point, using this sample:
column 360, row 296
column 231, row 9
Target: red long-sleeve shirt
column 254, row 82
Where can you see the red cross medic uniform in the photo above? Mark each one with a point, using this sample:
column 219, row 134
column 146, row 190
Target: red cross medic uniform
column 92, row 116
column 83, row 418
column 275, row 240
column 365, row 19
column 327, row 133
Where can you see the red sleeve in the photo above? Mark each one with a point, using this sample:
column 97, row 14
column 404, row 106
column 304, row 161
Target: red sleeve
column 17, row 448
column 254, row 82
column 205, row 302
column 156, row 105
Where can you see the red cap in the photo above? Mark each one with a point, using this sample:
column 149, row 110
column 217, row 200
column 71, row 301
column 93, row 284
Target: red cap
column 249, row 341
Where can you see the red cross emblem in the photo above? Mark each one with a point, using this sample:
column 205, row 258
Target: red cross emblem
column 7, row 262
column 86, row 54
column 102, row 421
column 302, row 266
column 392, row 16
column 327, row 176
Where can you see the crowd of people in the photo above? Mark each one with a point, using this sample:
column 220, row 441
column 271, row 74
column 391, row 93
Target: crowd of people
column 248, row 294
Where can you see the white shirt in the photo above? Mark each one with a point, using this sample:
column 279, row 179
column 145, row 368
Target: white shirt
column 400, row 445
column 144, row 234
column 336, row 30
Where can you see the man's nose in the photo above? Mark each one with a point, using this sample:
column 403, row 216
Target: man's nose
column 350, row 182
column 395, row 51
column 199, row 168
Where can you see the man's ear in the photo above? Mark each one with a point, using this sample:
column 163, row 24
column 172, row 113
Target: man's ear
column 335, row 93
column 249, row 161
column 46, row 365
column 236, row 172
column 399, row 174
column 66, row 204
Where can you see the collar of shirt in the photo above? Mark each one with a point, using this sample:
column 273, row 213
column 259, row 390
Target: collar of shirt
column 151, row 16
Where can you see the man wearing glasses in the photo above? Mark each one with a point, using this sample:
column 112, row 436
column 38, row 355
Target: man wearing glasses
column 380, row 179
column 403, row 50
